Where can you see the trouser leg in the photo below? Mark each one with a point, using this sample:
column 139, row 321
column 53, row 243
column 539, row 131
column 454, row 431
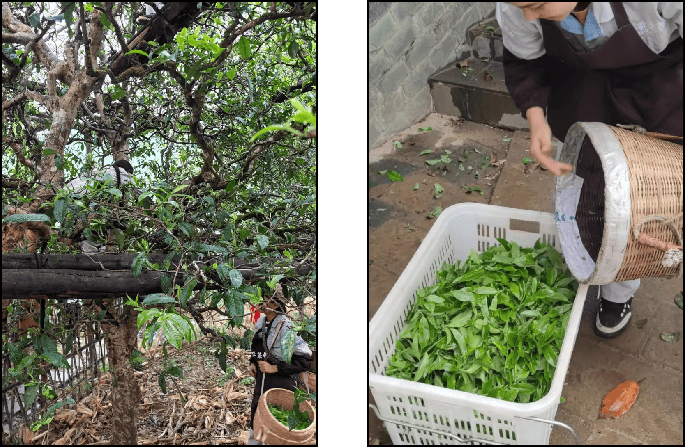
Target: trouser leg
column 620, row 292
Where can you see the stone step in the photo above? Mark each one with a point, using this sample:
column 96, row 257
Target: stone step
column 476, row 92
column 485, row 40
column 474, row 88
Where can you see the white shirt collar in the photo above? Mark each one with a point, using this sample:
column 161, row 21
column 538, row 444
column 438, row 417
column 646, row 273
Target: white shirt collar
column 602, row 12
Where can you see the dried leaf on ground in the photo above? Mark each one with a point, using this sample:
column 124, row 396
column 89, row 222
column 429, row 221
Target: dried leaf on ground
column 530, row 167
column 619, row 400
column 669, row 336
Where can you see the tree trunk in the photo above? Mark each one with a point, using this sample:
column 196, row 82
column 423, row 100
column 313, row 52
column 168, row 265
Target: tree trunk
column 126, row 394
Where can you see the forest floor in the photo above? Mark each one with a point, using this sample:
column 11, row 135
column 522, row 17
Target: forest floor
column 215, row 409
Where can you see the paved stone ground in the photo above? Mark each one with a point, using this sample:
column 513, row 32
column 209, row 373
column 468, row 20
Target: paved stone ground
column 398, row 223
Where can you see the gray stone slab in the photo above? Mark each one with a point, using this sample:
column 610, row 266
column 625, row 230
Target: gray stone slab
column 429, row 14
column 379, row 65
column 418, row 79
column 395, row 77
column 420, row 50
column 401, row 41
column 403, row 11
column 444, row 51
column 381, row 32
column 377, row 10
column 375, row 131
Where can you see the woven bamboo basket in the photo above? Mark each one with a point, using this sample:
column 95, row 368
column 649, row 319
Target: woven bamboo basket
column 620, row 212
column 268, row 430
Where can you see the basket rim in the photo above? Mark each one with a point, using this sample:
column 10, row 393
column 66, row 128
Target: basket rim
column 617, row 204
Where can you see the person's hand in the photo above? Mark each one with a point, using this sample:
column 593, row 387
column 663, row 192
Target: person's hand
column 266, row 367
column 252, row 370
column 541, row 144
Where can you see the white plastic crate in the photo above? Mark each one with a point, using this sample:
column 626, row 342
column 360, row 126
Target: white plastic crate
column 459, row 229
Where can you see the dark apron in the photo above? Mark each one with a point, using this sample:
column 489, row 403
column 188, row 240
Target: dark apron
column 621, row 82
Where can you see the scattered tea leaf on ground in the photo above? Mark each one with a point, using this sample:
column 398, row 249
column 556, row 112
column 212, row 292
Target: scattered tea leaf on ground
column 669, row 337
column 527, row 160
column 416, row 186
column 427, row 151
column 433, row 162
column 435, row 213
column 506, row 139
column 446, row 159
column 438, row 190
column 395, row 176
column 398, row 144
column 383, row 172
column 679, row 299
column 425, row 129
column 448, row 152
column 468, row 189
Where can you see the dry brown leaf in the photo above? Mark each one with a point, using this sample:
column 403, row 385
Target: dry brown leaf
column 234, row 395
column 27, row 435
column 530, row 167
column 619, row 400
column 62, row 414
column 243, row 437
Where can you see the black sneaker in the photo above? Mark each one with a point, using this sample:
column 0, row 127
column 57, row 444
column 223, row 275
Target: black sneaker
column 612, row 318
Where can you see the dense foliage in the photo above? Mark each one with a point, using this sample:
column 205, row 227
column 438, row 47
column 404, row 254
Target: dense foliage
column 187, row 112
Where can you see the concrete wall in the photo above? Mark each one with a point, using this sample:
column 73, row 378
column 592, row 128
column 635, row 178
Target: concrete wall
column 408, row 42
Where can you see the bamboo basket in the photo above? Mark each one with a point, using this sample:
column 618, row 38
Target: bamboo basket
column 269, row 431
column 620, row 212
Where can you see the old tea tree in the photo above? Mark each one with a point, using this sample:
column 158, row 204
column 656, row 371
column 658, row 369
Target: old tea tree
column 493, row 325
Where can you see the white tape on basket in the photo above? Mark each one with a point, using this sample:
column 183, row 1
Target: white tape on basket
column 567, row 196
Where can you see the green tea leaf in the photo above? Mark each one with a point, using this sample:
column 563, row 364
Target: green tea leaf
column 416, row 186
column 427, row 151
column 435, row 213
column 438, row 190
column 433, row 162
column 461, row 319
column 395, row 176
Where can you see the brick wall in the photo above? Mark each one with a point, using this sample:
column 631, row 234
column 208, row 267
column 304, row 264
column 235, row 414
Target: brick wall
column 408, row 42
